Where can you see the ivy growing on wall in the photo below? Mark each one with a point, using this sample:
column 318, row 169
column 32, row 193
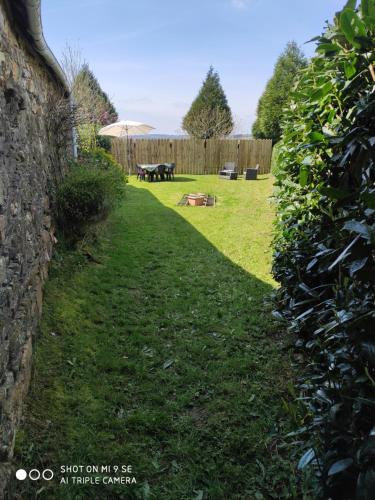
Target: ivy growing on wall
column 325, row 252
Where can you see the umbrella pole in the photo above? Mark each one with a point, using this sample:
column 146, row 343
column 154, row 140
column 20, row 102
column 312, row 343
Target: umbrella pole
column 128, row 151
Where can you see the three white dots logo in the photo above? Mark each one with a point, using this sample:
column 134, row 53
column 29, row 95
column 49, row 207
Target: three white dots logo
column 34, row 474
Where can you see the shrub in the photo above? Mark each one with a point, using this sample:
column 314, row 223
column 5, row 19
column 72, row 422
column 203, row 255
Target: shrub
column 88, row 192
column 86, row 135
column 324, row 252
column 99, row 158
column 275, row 158
column 104, row 142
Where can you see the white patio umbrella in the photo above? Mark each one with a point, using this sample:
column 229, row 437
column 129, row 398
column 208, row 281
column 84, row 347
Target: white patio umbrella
column 123, row 129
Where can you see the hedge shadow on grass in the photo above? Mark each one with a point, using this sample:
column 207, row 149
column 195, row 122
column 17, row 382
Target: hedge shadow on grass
column 162, row 354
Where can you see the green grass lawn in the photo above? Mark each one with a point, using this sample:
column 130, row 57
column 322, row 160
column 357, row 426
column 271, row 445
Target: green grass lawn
column 162, row 353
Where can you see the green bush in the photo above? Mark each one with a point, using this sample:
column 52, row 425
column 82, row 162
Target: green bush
column 86, row 134
column 89, row 192
column 104, row 142
column 99, row 158
column 324, row 253
column 275, row 159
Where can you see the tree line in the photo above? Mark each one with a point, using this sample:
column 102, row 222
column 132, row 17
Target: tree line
column 93, row 108
column 209, row 116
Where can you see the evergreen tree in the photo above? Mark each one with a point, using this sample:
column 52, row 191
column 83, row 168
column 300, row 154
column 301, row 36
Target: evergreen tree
column 276, row 94
column 98, row 106
column 209, row 115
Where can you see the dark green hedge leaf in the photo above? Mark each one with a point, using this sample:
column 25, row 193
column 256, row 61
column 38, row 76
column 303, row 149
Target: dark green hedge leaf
column 369, row 198
column 303, row 175
column 368, row 8
column 369, row 21
column 349, row 69
column 340, row 466
column 351, row 4
column 316, row 137
column 364, row 230
column 366, row 485
column 344, row 254
column 327, row 48
column 368, row 350
column 321, row 91
column 352, row 27
column 366, row 453
column 334, row 193
column 357, row 265
column 306, row 459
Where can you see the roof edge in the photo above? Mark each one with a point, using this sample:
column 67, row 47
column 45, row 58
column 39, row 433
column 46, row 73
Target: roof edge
column 27, row 14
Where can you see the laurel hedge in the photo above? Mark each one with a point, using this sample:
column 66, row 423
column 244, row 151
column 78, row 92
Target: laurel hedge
column 324, row 253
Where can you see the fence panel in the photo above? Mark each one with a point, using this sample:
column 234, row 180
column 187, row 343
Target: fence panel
column 195, row 156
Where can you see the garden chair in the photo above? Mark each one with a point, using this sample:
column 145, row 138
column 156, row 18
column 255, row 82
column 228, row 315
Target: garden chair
column 141, row 174
column 169, row 170
column 151, row 176
column 251, row 174
column 161, row 172
column 228, row 171
column 230, row 165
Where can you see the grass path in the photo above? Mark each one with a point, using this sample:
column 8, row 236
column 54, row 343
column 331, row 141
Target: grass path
column 163, row 355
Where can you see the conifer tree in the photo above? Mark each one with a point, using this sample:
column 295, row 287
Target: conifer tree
column 99, row 107
column 276, row 94
column 209, row 115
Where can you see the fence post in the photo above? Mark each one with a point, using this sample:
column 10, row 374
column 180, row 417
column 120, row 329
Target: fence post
column 196, row 156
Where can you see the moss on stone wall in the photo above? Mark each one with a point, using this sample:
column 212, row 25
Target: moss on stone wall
column 31, row 164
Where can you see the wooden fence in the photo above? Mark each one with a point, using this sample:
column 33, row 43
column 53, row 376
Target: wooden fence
column 194, row 156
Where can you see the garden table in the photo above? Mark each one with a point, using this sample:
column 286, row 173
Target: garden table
column 149, row 167
column 164, row 170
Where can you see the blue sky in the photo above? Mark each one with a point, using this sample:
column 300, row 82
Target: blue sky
column 151, row 56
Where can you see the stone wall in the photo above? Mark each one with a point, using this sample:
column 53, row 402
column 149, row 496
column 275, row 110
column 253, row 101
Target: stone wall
column 31, row 163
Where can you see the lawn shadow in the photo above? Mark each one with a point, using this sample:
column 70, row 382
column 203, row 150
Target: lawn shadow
column 179, row 336
column 262, row 177
column 178, row 178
